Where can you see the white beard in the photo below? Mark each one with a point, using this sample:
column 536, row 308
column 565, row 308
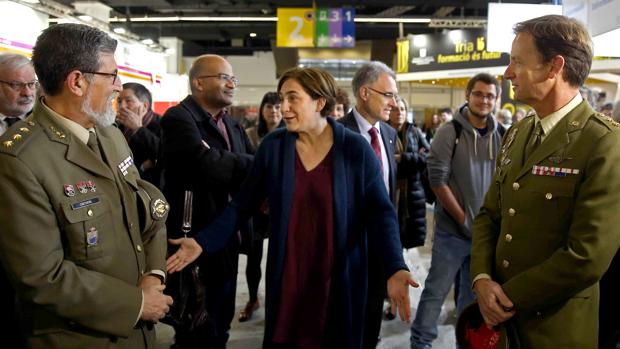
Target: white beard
column 102, row 119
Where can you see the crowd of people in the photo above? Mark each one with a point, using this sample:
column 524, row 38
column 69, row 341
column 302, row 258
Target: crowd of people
column 114, row 218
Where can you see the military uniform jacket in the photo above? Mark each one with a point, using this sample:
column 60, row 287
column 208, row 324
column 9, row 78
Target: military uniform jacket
column 547, row 230
column 77, row 235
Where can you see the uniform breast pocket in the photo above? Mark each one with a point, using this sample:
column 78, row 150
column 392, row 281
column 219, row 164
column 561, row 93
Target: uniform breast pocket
column 88, row 230
column 552, row 199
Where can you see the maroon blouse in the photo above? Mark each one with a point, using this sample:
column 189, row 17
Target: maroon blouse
column 306, row 278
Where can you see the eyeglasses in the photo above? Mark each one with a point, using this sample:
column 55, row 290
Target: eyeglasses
column 114, row 75
column 480, row 95
column 18, row 86
column 223, row 77
column 388, row 95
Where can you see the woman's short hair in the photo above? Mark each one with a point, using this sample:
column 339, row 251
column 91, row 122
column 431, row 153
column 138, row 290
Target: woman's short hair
column 316, row 82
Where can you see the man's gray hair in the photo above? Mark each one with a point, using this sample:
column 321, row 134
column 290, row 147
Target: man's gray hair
column 13, row 61
column 368, row 74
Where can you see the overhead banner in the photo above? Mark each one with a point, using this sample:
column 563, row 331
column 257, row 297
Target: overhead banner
column 459, row 49
column 322, row 28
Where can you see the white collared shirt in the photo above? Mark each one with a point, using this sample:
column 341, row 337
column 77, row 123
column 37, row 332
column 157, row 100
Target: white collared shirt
column 549, row 122
column 5, row 125
column 364, row 126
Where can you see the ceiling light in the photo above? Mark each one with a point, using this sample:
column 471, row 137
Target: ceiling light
column 85, row 18
column 120, row 30
column 252, row 35
column 31, row 1
column 148, row 41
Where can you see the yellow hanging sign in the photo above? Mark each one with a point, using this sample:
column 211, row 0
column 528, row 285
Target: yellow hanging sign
column 295, row 27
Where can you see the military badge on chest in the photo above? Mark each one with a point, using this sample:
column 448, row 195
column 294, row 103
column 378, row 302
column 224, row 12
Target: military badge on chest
column 83, row 187
column 125, row 164
column 504, row 160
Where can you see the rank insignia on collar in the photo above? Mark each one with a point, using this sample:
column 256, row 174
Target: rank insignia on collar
column 69, row 190
column 91, row 186
column 92, row 236
column 7, row 144
column 81, row 187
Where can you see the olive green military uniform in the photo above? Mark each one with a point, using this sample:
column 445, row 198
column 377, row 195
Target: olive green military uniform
column 548, row 228
column 77, row 234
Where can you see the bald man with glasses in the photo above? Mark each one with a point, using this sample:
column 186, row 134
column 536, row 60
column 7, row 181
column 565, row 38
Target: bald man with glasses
column 18, row 85
column 208, row 153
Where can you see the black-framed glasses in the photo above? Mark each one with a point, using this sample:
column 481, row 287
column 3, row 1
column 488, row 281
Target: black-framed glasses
column 114, row 75
column 388, row 95
column 18, row 86
column 223, row 77
column 482, row 95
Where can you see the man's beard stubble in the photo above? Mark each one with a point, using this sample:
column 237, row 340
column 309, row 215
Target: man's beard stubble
column 101, row 119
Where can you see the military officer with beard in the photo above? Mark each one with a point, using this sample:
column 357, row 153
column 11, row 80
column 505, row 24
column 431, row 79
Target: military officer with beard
column 83, row 237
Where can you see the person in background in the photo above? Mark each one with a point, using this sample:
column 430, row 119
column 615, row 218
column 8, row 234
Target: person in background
column 607, row 109
column 547, row 232
column 83, row 238
column 445, row 115
column 375, row 90
column 269, row 119
column 430, row 127
column 411, row 152
column 504, row 117
column 18, row 85
column 460, row 167
column 209, row 154
column 329, row 208
column 140, row 125
column 342, row 106
column 520, row 114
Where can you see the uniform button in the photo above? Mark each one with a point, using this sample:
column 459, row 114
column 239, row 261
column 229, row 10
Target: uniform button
column 548, row 196
column 139, row 248
column 130, row 225
column 505, row 263
column 508, row 238
column 515, row 186
column 89, row 213
column 511, row 212
column 539, row 314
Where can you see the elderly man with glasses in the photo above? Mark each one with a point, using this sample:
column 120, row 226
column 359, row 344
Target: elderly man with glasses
column 207, row 153
column 83, row 237
column 18, row 86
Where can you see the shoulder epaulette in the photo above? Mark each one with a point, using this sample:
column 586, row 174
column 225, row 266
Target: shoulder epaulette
column 606, row 120
column 14, row 140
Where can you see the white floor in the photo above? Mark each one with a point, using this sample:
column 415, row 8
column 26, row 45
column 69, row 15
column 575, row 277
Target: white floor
column 395, row 333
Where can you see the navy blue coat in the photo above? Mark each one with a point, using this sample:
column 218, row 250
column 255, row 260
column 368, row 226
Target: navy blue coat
column 364, row 219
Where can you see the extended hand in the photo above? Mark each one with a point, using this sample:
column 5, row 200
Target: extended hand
column 156, row 303
column 495, row 305
column 188, row 251
column 398, row 291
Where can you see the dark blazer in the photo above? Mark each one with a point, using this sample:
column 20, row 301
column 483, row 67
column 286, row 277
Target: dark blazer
column 364, row 220
column 388, row 136
column 144, row 145
column 213, row 173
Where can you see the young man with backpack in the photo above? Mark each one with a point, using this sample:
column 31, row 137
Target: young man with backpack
column 460, row 167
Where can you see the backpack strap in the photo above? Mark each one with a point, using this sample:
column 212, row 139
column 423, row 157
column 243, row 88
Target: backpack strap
column 458, row 129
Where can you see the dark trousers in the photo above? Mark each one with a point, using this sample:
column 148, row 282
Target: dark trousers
column 377, row 291
column 220, row 285
column 609, row 308
column 253, row 272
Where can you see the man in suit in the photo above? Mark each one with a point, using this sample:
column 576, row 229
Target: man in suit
column 374, row 87
column 141, row 128
column 546, row 232
column 208, row 153
column 83, row 237
column 18, row 86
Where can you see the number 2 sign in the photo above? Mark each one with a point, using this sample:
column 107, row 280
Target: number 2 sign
column 295, row 27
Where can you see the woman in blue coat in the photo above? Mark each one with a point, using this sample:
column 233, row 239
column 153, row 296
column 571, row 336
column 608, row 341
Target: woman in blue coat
column 328, row 208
